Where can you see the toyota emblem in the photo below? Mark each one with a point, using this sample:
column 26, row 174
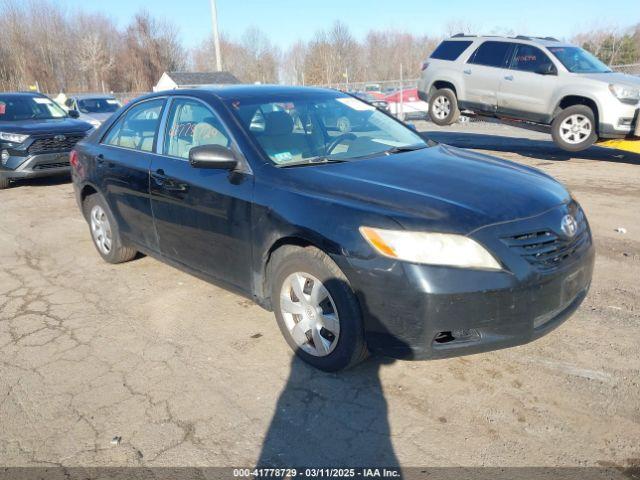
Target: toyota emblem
column 59, row 138
column 569, row 226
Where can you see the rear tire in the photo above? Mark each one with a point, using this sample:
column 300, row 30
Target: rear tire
column 574, row 128
column 341, row 344
column 4, row 183
column 443, row 107
column 104, row 231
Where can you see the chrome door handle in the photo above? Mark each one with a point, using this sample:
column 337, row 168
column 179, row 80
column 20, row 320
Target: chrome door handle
column 509, row 77
column 467, row 72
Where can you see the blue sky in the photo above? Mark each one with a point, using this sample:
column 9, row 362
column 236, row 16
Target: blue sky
column 286, row 21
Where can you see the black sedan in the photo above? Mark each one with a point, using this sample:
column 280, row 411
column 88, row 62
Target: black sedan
column 375, row 241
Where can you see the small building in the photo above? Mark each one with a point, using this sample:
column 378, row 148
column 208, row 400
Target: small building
column 174, row 80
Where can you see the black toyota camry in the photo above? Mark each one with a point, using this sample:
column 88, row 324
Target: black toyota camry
column 373, row 240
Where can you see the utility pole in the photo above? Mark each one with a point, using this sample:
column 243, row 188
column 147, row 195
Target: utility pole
column 216, row 35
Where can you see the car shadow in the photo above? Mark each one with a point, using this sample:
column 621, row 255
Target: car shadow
column 41, row 181
column 539, row 149
column 331, row 419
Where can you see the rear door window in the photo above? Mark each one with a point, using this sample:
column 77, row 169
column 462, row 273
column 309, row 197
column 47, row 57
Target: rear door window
column 492, row 54
column 529, row 59
column 138, row 127
column 450, row 49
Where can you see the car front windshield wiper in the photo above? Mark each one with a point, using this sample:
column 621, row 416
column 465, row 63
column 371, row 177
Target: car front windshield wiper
column 394, row 150
column 405, row 148
column 310, row 161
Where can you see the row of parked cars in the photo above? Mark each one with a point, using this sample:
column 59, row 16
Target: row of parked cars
column 361, row 237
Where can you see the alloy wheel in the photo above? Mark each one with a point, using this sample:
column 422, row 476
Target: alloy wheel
column 441, row 107
column 101, row 230
column 575, row 128
column 310, row 314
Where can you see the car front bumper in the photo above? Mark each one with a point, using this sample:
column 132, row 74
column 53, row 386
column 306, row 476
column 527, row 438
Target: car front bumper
column 40, row 165
column 618, row 120
column 419, row 312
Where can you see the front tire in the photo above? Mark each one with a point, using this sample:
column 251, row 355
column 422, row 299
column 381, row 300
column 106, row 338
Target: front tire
column 574, row 128
column 104, row 231
column 4, row 183
column 316, row 309
column 443, row 107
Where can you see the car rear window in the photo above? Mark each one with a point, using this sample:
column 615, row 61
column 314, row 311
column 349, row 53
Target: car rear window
column 491, row 54
column 450, row 50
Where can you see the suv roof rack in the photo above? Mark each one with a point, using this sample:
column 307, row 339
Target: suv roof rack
column 458, row 35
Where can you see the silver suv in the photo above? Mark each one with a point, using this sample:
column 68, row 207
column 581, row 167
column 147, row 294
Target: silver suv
column 537, row 80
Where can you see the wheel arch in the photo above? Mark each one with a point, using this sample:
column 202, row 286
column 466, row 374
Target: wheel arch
column 444, row 83
column 576, row 99
column 298, row 239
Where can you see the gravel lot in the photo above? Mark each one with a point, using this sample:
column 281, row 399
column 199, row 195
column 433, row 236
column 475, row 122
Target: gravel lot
column 189, row 374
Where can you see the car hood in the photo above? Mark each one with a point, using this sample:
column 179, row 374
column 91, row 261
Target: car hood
column 441, row 188
column 614, row 77
column 101, row 117
column 50, row 126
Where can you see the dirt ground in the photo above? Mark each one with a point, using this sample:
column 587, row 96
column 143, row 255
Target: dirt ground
column 185, row 373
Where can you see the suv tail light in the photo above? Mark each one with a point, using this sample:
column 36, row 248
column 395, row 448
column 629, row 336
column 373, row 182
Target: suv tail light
column 424, row 66
column 73, row 158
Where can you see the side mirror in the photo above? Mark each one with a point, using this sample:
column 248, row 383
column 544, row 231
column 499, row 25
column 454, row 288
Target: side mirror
column 547, row 69
column 213, row 156
column 74, row 114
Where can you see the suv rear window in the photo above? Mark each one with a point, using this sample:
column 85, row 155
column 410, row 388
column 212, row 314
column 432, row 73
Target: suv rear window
column 491, row 54
column 450, row 50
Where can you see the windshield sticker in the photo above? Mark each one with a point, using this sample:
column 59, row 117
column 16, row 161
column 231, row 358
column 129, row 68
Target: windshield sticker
column 355, row 104
column 112, row 101
column 3, row 108
column 282, row 157
column 391, row 143
column 41, row 100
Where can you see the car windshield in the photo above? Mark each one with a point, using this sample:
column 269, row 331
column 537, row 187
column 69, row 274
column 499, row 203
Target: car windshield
column 98, row 105
column 16, row 107
column 577, row 60
column 310, row 129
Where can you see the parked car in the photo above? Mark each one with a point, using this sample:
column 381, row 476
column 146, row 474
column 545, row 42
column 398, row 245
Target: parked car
column 538, row 80
column 411, row 107
column 366, row 241
column 93, row 108
column 36, row 136
column 376, row 102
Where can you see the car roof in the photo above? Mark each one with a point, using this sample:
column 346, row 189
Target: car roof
column 83, row 96
column 247, row 91
column 543, row 41
column 21, row 94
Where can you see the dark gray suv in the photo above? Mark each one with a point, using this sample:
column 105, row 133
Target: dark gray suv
column 36, row 136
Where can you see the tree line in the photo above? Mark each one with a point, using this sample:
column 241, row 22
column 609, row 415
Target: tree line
column 41, row 44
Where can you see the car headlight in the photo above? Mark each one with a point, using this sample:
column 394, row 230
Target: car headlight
column 13, row 137
column 430, row 248
column 625, row 93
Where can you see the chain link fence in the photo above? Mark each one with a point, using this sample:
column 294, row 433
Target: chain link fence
column 631, row 69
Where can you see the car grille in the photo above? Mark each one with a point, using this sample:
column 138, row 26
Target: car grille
column 47, row 166
column 50, row 144
column 547, row 250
